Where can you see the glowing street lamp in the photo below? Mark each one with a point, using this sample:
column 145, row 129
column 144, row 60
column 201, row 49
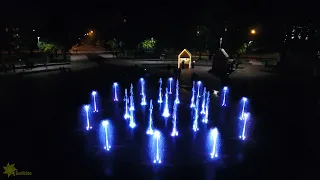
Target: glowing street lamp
column 91, row 32
column 38, row 39
column 252, row 31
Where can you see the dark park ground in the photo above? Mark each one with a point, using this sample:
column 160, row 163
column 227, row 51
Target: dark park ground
column 40, row 128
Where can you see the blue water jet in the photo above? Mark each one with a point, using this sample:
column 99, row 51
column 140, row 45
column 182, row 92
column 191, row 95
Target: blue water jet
column 206, row 115
column 199, row 85
column 174, row 120
column 150, row 126
column 126, row 101
column 214, row 143
column 195, row 125
column 132, row 123
column 177, row 101
column 157, row 153
column 160, row 91
column 244, row 126
column 166, row 113
column 87, row 108
column 203, row 105
column 192, row 105
column 115, row 90
column 106, row 126
column 170, row 85
column 131, row 108
column 224, row 96
column 244, row 102
column 94, row 98
column 143, row 94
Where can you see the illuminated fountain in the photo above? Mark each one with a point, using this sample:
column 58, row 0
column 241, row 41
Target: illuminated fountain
column 203, row 105
column 157, row 148
column 177, row 101
column 115, row 90
column 166, row 113
column 206, row 115
column 174, row 120
column 160, row 91
column 106, row 125
column 244, row 102
column 224, row 96
column 150, row 129
column 87, row 108
column 131, row 108
column 126, row 101
column 192, row 105
column 244, row 126
column 170, row 85
column 143, row 94
column 195, row 125
column 199, row 85
column 94, row 98
column 214, row 143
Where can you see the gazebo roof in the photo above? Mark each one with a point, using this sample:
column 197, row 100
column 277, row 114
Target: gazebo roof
column 184, row 54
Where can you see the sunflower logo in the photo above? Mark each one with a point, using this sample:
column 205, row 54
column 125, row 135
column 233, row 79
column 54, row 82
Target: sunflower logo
column 10, row 169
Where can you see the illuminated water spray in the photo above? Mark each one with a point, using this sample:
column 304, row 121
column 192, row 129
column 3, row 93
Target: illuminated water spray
column 126, row 101
column 174, row 121
column 192, row 105
column 195, row 125
column 131, row 108
column 105, row 125
column 170, row 85
column 244, row 101
column 214, row 138
column 94, row 96
column 143, row 94
column 244, row 126
column 177, row 101
column 160, row 91
column 203, row 105
column 199, row 85
column 224, row 98
column 86, row 108
column 115, row 89
column 166, row 106
column 157, row 136
column 206, row 115
column 132, row 123
column 150, row 129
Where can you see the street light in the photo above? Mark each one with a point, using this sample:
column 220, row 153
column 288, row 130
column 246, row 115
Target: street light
column 38, row 39
column 253, row 31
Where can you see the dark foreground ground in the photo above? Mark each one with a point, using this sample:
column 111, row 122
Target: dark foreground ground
column 41, row 132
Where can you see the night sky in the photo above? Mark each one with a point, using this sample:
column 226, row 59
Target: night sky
column 173, row 19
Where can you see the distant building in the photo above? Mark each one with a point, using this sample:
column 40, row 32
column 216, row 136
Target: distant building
column 301, row 38
column 300, row 47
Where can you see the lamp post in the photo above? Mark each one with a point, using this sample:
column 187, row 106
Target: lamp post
column 38, row 39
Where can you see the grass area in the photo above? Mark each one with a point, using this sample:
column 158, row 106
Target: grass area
column 35, row 58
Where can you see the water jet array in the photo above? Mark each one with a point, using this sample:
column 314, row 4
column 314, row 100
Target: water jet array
column 199, row 107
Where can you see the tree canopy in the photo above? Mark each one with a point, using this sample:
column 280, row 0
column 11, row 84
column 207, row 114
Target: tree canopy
column 47, row 47
column 149, row 45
